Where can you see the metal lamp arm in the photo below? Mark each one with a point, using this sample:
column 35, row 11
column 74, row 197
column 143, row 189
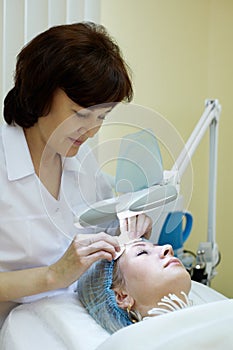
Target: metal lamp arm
column 209, row 119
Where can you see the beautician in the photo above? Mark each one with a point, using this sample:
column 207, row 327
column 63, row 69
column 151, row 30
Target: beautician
column 67, row 80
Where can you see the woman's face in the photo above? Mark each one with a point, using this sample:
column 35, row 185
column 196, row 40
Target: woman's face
column 67, row 125
column 151, row 272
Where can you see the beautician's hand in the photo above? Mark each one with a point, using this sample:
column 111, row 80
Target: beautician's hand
column 81, row 254
column 137, row 226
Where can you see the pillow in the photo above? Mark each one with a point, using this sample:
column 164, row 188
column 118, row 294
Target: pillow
column 54, row 323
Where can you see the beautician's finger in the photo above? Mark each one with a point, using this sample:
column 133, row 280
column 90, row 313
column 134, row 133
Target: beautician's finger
column 139, row 226
column 97, row 247
column 89, row 250
column 123, row 225
column 146, row 228
column 98, row 255
column 87, row 239
column 132, row 223
column 144, row 223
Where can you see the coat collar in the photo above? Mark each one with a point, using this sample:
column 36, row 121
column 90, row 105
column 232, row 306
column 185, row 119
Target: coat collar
column 18, row 159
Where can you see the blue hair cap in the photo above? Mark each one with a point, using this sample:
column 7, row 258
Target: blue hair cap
column 95, row 293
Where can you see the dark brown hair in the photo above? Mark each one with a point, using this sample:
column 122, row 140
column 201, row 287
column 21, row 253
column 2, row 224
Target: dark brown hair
column 81, row 59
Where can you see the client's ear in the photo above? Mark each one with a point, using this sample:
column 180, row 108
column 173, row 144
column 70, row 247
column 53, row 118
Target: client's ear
column 123, row 299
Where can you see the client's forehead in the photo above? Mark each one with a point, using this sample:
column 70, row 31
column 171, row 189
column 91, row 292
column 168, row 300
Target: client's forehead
column 133, row 245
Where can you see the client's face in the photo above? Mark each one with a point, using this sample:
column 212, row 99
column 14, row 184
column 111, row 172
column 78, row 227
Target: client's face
column 151, row 272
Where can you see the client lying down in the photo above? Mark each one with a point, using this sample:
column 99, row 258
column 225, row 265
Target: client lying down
column 146, row 280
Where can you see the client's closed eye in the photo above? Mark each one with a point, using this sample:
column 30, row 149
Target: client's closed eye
column 141, row 252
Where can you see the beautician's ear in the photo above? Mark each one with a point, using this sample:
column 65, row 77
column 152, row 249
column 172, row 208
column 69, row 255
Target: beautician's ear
column 123, row 299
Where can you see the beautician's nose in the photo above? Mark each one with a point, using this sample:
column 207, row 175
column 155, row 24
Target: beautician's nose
column 91, row 127
column 91, row 132
column 82, row 131
column 166, row 250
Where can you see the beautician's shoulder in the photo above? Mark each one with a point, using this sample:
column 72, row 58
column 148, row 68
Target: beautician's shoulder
column 3, row 170
column 14, row 154
column 10, row 134
column 1, row 144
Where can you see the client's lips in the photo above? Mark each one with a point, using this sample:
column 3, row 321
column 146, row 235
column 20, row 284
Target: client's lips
column 172, row 261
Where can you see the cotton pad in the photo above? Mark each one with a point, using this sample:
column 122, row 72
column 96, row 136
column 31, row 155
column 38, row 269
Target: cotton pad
column 124, row 240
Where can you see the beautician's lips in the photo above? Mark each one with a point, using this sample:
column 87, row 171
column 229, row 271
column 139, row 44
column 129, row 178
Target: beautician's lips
column 76, row 142
column 172, row 261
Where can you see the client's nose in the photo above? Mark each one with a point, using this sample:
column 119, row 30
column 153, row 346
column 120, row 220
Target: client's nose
column 166, row 250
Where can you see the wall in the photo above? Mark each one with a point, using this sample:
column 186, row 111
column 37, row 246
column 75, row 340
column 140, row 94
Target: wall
column 220, row 77
column 181, row 53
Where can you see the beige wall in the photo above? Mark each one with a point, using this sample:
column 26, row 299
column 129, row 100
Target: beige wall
column 181, row 52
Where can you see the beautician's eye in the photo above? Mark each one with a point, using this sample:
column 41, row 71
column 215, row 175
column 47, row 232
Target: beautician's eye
column 141, row 252
column 102, row 117
column 81, row 115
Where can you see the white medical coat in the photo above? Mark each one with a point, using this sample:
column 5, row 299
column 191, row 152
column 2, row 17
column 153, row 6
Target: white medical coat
column 35, row 228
